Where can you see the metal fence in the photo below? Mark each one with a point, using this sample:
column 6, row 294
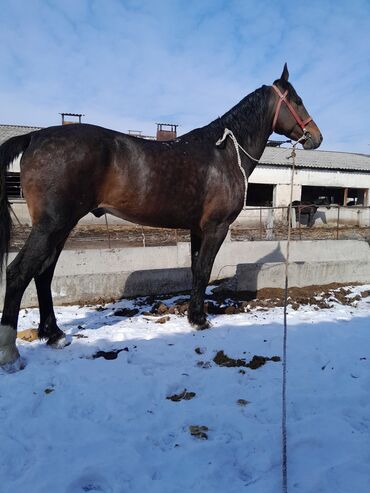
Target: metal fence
column 253, row 224
column 329, row 222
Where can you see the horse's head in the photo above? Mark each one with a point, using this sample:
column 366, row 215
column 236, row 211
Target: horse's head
column 290, row 116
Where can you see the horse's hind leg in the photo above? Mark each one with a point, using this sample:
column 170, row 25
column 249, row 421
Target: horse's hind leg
column 48, row 328
column 35, row 257
column 196, row 242
column 202, row 264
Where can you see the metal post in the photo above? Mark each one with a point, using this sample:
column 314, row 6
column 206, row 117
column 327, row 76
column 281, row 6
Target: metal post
column 338, row 222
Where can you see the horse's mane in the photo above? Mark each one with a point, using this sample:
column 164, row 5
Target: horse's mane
column 246, row 116
column 250, row 112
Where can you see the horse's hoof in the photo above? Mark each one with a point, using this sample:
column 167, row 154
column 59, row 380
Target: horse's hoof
column 9, row 356
column 59, row 343
column 202, row 323
column 206, row 325
column 12, row 367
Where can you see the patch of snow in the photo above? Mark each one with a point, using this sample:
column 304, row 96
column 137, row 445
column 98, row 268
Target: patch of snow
column 71, row 423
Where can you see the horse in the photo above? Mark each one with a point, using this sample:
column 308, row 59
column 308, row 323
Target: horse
column 308, row 209
column 188, row 183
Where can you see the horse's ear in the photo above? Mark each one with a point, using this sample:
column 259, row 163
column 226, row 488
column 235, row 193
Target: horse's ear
column 285, row 74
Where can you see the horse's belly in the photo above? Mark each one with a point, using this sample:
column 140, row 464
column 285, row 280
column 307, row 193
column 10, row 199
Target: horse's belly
column 149, row 219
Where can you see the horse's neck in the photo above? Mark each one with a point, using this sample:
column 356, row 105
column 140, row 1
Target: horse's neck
column 251, row 130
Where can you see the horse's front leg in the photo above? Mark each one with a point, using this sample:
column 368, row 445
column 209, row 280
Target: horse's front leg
column 311, row 218
column 202, row 263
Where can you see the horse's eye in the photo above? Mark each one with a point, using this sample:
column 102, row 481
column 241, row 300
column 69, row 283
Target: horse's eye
column 299, row 101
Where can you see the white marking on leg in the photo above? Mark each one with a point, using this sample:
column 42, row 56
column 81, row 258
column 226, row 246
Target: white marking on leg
column 8, row 350
column 60, row 343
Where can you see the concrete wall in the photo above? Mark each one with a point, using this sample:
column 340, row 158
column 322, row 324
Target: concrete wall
column 87, row 275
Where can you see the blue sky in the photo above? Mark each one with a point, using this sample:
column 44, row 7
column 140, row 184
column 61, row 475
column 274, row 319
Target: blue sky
column 127, row 64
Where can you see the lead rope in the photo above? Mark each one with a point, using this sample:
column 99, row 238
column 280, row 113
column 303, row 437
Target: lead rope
column 107, row 226
column 237, row 146
column 229, row 133
column 285, row 337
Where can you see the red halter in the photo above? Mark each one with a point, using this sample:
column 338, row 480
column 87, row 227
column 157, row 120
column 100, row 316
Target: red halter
column 282, row 98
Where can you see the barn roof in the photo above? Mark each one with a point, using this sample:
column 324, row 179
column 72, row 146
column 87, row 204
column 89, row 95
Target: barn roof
column 8, row 131
column 317, row 159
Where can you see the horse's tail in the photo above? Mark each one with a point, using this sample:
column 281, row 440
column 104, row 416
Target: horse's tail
column 9, row 150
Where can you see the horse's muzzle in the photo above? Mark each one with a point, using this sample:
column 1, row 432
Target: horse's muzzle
column 313, row 137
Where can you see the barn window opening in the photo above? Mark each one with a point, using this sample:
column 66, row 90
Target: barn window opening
column 335, row 195
column 13, row 185
column 331, row 195
column 356, row 196
column 260, row 195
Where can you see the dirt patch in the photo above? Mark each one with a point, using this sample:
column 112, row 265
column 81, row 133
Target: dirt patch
column 125, row 312
column 242, row 402
column 109, row 355
column 182, row 396
column 221, row 359
column 204, row 364
column 163, row 320
column 80, row 336
column 225, row 302
column 28, row 335
column 321, row 297
column 199, row 431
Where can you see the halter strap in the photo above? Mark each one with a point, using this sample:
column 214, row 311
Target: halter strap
column 282, row 99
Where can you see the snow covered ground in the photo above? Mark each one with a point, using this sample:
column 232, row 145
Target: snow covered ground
column 70, row 423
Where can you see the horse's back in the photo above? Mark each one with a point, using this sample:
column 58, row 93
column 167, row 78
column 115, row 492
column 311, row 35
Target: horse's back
column 77, row 168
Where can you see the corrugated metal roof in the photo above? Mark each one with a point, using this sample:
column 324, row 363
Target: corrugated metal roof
column 8, row 131
column 317, row 159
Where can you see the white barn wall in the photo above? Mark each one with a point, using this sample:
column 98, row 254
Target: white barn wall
column 318, row 178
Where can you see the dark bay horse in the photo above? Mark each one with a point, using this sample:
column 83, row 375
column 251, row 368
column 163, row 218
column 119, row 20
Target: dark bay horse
column 68, row 171
column 308, row 209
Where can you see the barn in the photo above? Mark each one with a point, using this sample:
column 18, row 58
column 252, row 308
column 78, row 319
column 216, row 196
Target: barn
column 341, row 177
column 13, row 182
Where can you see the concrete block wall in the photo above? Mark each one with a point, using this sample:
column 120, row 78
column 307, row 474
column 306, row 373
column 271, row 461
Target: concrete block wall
column 82, row 276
